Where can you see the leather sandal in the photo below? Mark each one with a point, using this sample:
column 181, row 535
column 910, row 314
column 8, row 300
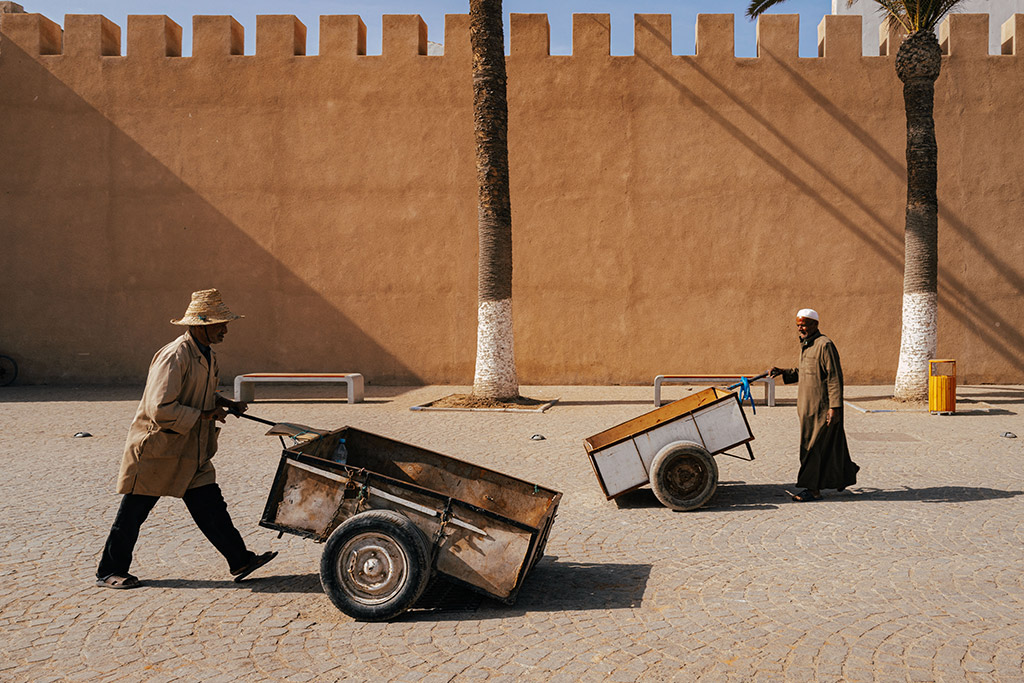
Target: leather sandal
column 119, row 581
column 253, row 564
column 806, row 496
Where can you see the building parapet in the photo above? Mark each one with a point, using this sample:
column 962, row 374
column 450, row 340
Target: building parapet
column 1013, row 35
column 839, row 36
column 153, row 37
column 284, row 36
column 964, row 34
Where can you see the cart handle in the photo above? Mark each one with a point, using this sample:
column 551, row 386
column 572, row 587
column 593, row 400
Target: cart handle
column 751, row 379
column 301, row 429
column 251, row 417
column 744, row 385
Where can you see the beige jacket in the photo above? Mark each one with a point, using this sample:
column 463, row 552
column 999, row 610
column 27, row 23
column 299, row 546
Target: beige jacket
column 169, row 447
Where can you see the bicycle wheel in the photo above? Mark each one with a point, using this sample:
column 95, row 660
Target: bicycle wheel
column 8, row 370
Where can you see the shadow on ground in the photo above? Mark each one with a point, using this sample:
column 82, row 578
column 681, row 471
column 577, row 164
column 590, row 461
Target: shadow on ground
column 932, row 494
column 608, row 402
column 783, row 403
column 278, row 395
column 738, row 496
column 318, row 401
column 994, row 394
column 551, row 586
column 44, row 393
column 289, row 583
column 730, row 496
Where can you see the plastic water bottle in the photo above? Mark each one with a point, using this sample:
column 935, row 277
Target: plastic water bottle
column 341, row 452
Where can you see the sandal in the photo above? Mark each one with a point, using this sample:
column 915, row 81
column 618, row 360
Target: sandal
column 119, row 581
column 806, row 496
column 255, row 563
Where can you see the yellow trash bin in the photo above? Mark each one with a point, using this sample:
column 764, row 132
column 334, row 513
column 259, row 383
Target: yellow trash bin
column 942, row 386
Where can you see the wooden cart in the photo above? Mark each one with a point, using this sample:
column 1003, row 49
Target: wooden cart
column 672, row 448
column 392, row 514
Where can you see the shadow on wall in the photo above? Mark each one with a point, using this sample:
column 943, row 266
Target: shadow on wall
column 997, row 332
column 110, row 261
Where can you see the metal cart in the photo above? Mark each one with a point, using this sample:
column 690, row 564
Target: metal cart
column 392, row 515
column 672, row 448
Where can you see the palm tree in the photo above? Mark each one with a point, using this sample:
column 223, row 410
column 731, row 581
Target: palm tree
column 918, row 61
column 495, row 376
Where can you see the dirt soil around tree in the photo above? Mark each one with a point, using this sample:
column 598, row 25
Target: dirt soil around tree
column 470, row 401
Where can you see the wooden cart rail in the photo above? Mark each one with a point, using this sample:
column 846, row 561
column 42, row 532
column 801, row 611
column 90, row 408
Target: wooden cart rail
column 652, row 419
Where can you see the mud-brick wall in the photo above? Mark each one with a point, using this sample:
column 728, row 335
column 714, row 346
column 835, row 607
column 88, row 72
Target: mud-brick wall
column 670, row 213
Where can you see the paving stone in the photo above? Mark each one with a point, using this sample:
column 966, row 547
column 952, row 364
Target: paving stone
column 753, row 587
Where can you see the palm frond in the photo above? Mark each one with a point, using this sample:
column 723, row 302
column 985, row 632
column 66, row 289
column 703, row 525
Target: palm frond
column 896, row 13
column 757, row 7
column 913, row 15
column 945, row 7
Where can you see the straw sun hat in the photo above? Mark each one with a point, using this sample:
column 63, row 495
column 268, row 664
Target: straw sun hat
column 206, row 308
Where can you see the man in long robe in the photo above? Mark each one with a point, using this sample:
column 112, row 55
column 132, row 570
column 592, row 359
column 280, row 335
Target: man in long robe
column 171, row 443
column 824, row 456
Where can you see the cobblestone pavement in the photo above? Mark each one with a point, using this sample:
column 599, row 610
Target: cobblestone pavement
column 914, row 574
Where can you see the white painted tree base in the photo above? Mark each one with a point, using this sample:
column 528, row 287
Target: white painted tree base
column 495, row 358
column 918, row 345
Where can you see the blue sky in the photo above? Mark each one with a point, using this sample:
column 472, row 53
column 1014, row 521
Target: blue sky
column 684, row 17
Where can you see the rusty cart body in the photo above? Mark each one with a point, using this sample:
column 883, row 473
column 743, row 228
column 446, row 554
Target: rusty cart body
column 672, row 448
column 392, row 515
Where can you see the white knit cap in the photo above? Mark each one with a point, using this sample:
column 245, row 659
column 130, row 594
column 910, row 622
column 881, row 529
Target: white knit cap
column 807, row 313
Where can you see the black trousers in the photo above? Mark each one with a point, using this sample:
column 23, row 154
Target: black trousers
column 208, row 509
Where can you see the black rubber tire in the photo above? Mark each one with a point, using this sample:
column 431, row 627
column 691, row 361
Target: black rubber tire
column 375, row 565
column 684, row 475
column 8, row 371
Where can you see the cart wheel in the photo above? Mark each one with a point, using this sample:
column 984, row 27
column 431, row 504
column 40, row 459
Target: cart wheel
column 375, row 565
column 684, row 475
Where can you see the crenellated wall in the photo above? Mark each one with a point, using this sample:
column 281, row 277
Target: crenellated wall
column 670, row 213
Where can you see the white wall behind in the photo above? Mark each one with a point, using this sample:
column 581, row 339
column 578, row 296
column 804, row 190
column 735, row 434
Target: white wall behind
column 998, row 10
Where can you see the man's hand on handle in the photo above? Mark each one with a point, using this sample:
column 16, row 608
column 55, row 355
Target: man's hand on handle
column 217, row 414
column 231, row 406
column 225, row 407
column 775, row 372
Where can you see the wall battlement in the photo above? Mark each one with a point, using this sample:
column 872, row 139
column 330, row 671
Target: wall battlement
column 277, row 36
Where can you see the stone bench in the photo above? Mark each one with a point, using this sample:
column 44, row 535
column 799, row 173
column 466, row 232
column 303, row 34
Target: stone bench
column 245, row 385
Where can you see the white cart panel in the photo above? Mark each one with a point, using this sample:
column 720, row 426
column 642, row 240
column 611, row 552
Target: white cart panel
column 650, row 442
column 722, row 425
column 620, row 467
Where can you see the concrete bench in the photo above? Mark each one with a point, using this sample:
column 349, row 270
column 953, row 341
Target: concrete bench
column 768, row 382
column 245, row 385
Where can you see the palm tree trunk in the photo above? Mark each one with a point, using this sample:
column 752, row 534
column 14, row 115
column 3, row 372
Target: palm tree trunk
column 495, row 360
column 917, row 65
